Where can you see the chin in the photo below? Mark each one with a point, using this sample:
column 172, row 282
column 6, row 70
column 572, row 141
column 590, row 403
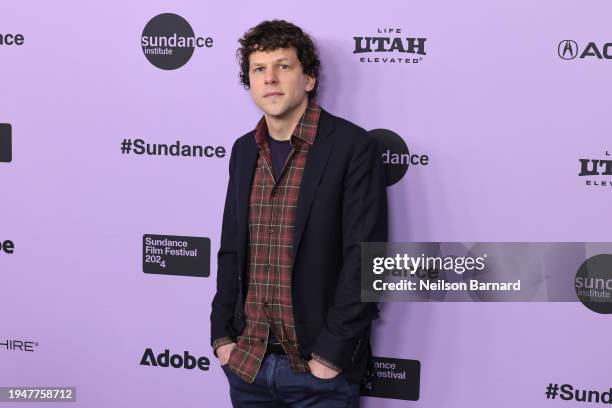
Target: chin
column 275, row 111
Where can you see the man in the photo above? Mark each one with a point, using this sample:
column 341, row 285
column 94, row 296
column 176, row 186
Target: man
column 305, row 189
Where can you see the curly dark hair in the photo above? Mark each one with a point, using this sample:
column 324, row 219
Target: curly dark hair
column 275, row 34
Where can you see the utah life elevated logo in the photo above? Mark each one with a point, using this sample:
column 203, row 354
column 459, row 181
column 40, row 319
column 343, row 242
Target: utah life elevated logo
column 168, row 41
column 569, row 50
column 390, row 46
column 597, row 172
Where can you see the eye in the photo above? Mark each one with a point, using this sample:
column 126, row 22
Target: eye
column 258, row 69
column 284, row 66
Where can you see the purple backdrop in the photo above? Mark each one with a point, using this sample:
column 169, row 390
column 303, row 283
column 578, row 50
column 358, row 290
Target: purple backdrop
column 501, row 116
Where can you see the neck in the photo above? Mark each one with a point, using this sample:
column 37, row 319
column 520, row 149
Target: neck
column 281, row 127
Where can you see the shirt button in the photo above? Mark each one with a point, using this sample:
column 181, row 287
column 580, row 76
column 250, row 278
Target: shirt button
column 270, row 230
column 268, row 268
column 273, row 193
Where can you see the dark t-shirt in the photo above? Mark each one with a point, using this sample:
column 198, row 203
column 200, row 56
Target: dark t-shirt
column 279, row 150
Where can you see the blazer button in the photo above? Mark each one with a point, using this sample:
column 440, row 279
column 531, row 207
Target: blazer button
column 239, row 277
column 240, row 317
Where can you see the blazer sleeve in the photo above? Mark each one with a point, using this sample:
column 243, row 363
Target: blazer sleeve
column 364, row 219
column 224, row 302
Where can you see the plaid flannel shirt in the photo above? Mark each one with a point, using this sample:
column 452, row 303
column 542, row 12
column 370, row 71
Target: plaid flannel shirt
column 272, row 212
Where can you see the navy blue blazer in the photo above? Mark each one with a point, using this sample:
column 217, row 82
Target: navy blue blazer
column 342, row 202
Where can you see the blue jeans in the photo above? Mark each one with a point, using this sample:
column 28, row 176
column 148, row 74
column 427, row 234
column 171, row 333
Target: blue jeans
column 276, row 385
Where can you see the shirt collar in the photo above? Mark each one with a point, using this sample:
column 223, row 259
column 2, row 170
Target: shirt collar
column 306, row 128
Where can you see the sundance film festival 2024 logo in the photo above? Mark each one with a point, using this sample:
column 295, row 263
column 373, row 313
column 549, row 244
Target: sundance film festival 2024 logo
column 597, row 172
column 396, row 156
column 6, row 148
column 168, row 41
column 394, row 378
column 390, row 46
column 570, row 50
column 176, row 255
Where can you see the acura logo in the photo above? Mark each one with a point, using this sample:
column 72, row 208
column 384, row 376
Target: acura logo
column 568, row 49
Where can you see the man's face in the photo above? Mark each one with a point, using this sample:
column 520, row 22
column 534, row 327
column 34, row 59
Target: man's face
column 278, row 84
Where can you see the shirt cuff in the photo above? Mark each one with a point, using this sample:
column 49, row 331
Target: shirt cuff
column 325, row 362
column 221, row 341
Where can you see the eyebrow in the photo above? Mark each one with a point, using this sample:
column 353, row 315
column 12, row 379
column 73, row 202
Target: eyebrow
column 263, row 63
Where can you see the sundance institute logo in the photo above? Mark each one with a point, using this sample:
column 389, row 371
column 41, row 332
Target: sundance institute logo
column 168, row 41
column 593, row 283
column 396, row 156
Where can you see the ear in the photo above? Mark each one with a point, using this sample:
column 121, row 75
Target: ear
column 310, row 83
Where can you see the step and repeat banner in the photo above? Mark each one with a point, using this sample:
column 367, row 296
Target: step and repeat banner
column 116, row 124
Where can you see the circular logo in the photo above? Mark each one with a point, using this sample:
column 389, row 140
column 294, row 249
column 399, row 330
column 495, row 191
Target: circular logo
column 395, row 155
column 593, row 283
column 567, row 49
column 168, row 41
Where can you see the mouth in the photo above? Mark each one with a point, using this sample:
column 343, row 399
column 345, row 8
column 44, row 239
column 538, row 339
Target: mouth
column 273, row 94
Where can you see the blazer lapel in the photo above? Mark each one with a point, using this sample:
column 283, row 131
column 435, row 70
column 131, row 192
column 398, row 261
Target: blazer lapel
column 318, row 155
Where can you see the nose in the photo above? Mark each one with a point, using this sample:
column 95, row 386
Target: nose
column 271, row 78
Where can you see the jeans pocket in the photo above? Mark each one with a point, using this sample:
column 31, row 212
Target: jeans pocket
column 226, row 370
column 336, row 378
